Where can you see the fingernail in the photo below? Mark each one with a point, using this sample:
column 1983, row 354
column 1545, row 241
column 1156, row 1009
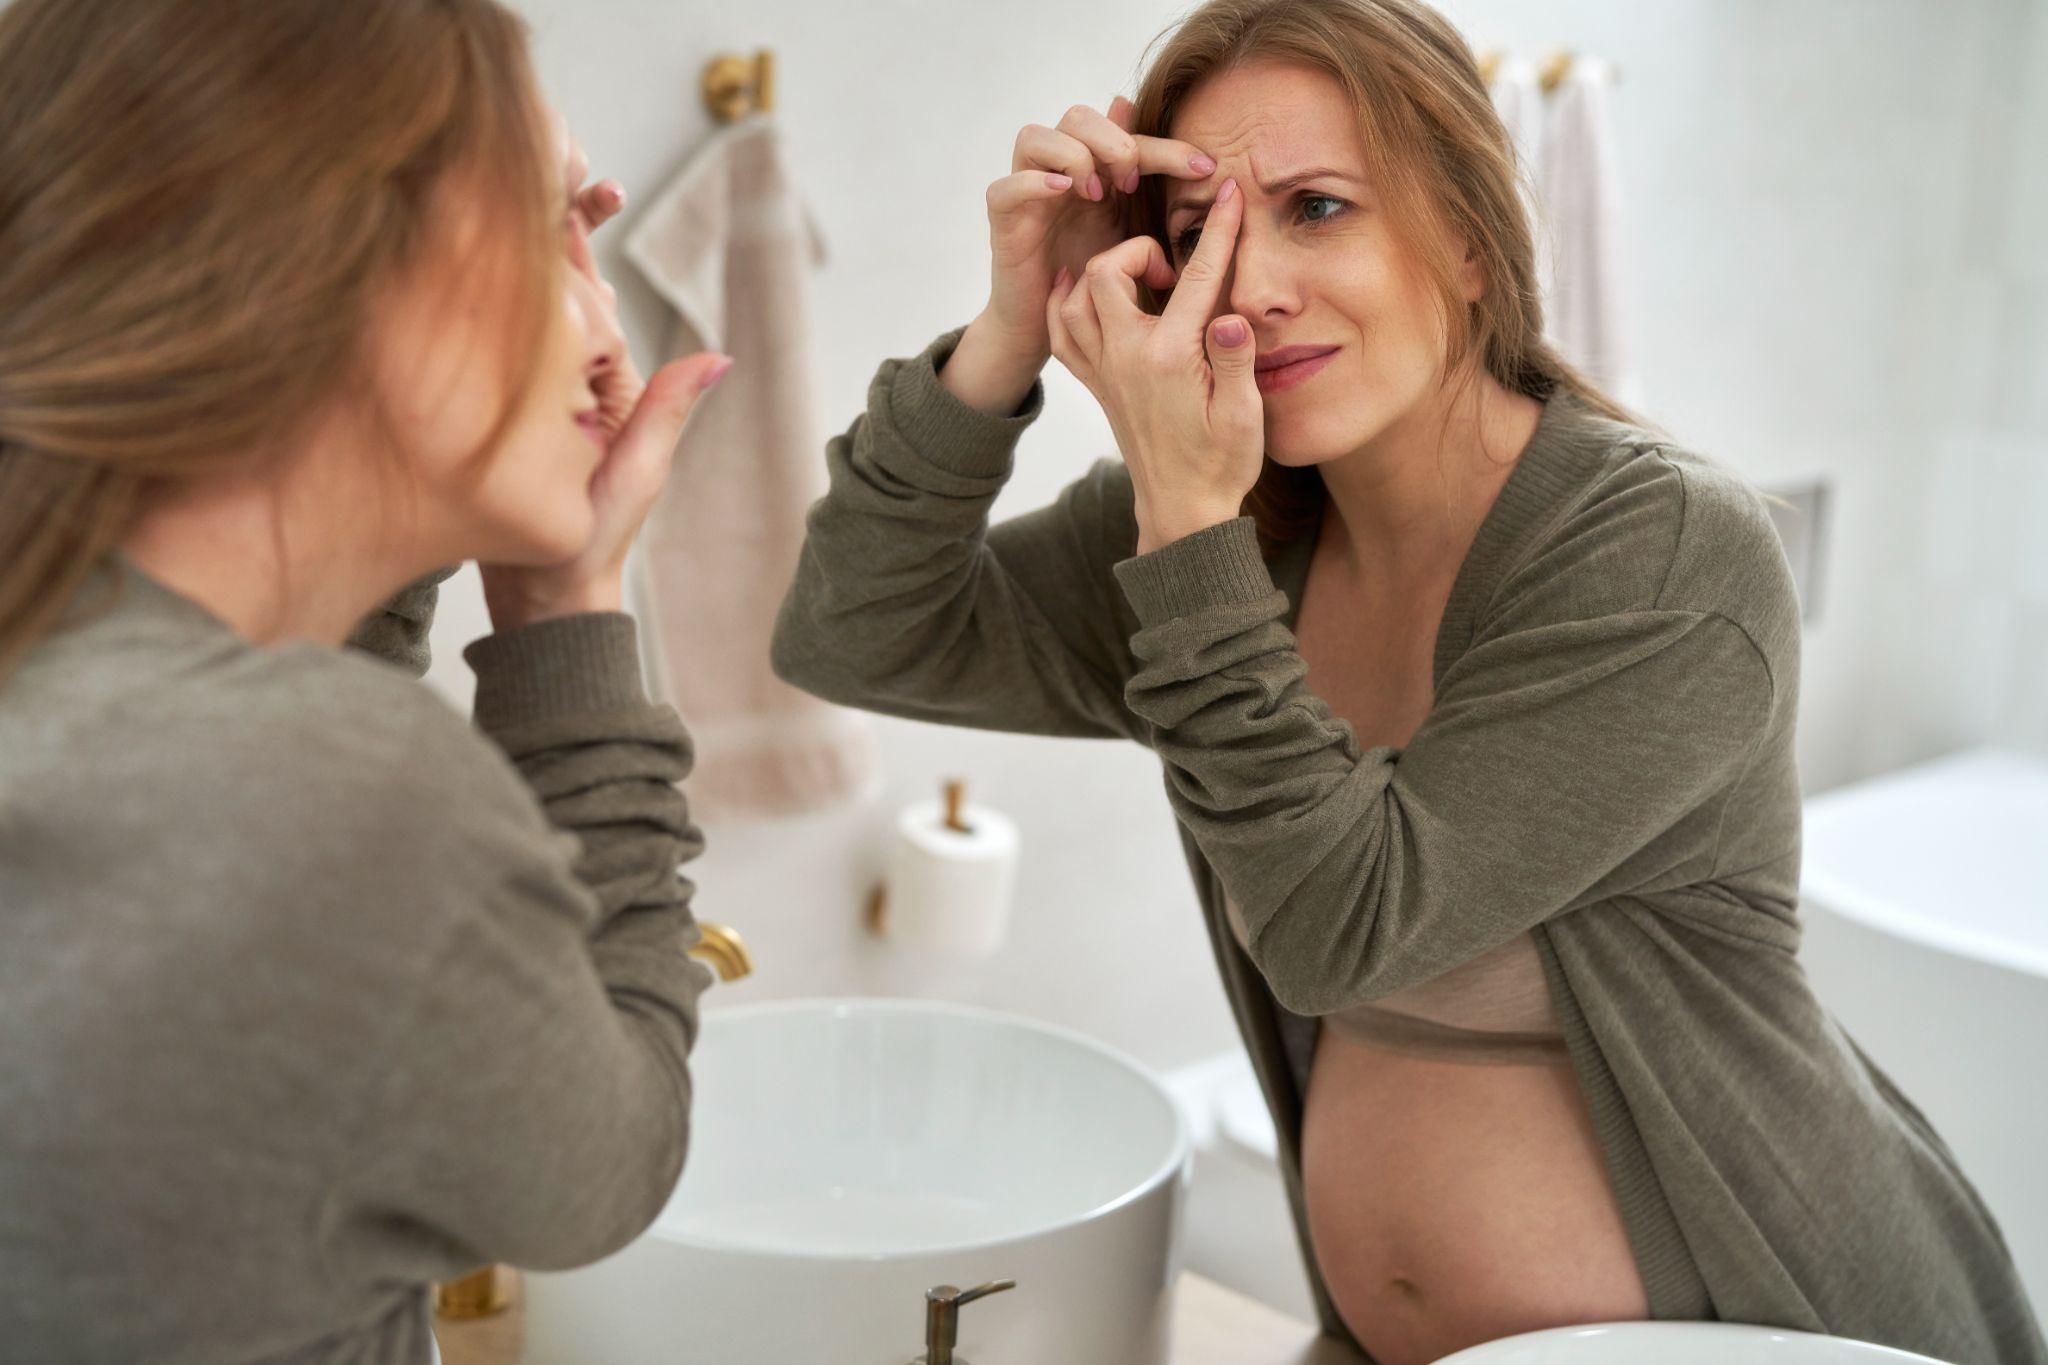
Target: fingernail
column 1063, row 279
column 718, row 372
column 1130, row 185
column 1095, row 187
column 619, row 193
column 1223, row 195
column 1231, row 331
column 1202, row 165
column 1060, row 182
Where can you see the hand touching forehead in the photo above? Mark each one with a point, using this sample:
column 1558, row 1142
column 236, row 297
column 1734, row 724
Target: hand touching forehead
column 1275, row 129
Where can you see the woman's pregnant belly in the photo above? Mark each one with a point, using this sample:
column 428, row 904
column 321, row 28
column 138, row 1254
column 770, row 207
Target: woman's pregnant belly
column 1451, row 1203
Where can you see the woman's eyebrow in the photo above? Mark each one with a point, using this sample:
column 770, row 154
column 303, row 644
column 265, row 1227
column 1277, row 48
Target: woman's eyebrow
column 1274, row 187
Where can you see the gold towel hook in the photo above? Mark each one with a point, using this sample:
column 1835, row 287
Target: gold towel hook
column 1559, row 65
column 1489, row 66
column 735, row 86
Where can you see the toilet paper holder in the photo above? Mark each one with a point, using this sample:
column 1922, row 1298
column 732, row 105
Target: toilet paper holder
column 876, row 913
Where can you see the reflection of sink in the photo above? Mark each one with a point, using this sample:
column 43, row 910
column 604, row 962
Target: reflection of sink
column 1680, row 1343
column 847, row 1155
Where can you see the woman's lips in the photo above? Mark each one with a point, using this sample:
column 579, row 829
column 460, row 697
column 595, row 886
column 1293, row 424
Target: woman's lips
column 1291, row 365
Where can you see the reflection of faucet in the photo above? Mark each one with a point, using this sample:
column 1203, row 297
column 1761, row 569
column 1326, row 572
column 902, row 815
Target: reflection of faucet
column 483, row 1292
column 725, row 950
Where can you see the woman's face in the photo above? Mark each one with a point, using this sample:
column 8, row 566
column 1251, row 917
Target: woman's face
column 1317, row 265
column 441, row 370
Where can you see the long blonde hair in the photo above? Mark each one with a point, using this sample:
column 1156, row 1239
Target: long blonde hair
column 199, row 202
column 1438, row 155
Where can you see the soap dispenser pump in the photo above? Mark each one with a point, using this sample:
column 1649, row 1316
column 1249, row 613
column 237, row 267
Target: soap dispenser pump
column 942, row 1320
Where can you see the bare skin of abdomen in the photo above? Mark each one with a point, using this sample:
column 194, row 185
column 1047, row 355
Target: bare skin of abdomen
column 1452, row 1203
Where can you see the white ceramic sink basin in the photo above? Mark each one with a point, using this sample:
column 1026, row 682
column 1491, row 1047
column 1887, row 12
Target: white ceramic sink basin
column 1680, row 1343
column 847, row 1155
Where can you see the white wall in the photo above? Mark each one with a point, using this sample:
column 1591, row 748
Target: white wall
column 1835, row 273
column 1972, row 575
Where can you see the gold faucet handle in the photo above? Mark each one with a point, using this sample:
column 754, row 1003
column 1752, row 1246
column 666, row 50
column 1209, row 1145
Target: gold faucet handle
column 724, row 949
column 475, row 1295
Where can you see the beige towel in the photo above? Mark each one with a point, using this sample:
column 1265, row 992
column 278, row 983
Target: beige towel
column 1517, row 94
column 1581, row 196
column 730, row 246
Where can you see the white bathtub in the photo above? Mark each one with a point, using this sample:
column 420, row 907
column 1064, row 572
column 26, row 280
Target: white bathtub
column 1925, row 898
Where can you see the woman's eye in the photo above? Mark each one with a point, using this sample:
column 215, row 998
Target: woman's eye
column 1309, row 200
column 1330, row 205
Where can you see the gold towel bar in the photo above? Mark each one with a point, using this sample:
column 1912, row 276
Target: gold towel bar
column 1549, row 76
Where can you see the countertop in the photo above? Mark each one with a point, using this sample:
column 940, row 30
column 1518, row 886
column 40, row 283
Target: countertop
column 1211, row 1326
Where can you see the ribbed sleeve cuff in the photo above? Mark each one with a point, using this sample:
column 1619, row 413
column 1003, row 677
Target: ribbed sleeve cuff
column 566, row 665
column 1218, row 565
column 953, row 435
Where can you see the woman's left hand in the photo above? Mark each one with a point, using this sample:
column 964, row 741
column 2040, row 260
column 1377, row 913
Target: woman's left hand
column 1178, row 388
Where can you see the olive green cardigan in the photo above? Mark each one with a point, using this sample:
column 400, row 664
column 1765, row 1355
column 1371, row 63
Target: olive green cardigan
column 314, row 992
column 1608, row 762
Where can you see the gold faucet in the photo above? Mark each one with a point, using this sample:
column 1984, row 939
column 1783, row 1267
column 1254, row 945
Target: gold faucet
column 486, row 1291
column 725, row 950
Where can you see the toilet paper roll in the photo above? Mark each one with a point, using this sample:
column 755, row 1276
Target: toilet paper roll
column 950, row 889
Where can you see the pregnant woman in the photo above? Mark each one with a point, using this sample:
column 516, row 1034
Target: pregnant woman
column 1474, row 698
column 312, row 993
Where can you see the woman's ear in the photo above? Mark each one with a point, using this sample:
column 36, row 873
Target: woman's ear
column 1471, row 277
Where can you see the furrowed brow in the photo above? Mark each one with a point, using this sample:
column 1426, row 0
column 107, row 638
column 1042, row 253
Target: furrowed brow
column 1273, row 187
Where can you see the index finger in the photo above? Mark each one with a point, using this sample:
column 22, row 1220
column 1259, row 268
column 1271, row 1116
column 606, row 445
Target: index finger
column 1201, row 280
column 1161, row 155
column 1171, row 156
column 600, row 203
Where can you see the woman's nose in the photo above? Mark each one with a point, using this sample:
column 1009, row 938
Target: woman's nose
column 595, row 305
column 1260, row 285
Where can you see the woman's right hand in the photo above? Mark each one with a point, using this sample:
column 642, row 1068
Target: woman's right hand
column 642, row 421
column 1055, row 209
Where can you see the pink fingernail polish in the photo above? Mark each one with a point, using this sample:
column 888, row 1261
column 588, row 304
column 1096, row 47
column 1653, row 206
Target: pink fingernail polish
column 1223, row 195
column 1130, row 185
column 718, row 372
column 1095, row 187
column 1201, row 164
column 1063, row 279
column 1060, row 182
column 1230, row 331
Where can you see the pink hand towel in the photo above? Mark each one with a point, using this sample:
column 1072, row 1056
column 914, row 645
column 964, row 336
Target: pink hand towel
column 730, row 246
column 1581, row 195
